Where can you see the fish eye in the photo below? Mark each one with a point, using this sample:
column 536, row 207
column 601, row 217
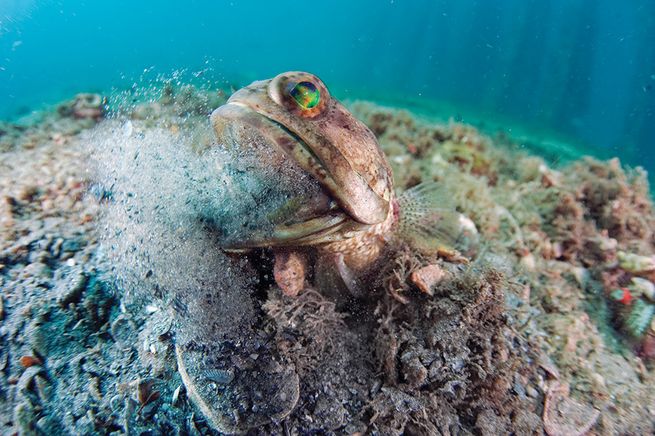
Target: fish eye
column 305, row 94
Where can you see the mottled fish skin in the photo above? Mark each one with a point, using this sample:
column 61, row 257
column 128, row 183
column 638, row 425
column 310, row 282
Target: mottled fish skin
column 336, row 149
column 294, row 117
column 327, row 141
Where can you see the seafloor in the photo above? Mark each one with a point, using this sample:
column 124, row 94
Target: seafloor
column 548, row 330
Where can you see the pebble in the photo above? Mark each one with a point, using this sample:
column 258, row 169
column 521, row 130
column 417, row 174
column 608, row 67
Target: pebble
column 519, row 389
column 427, row 277
column 38, row 337
column 528, row 262
column 4, row 358
column 93, row 388
column 581, row 276
column 70, row 290
column 598, row 380
column 115, row 403
column 36, row 270
column 531, row 392
column 27, row 361
column 160, row 323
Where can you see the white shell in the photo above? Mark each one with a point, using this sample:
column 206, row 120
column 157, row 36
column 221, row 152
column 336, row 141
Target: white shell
column 176, row 396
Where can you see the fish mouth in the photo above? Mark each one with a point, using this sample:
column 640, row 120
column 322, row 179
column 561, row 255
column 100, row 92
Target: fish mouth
column 312, row 149
column 317, row 218
column 234, row 121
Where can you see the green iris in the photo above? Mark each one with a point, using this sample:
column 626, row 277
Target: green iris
column 305, row 94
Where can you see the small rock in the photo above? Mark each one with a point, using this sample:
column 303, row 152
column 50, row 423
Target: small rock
column 414, row 372
column 427, row 277
column 70, row 290
column 43, row 388
column 519, row 389
column 27, row 193
column 375, row 388
column 159, row 324
column 55, row 248
column 581, row 276
column 4, row 357
column 80, row 404
column 545, row 363
column 289, row 271
column 27, row 361
column 116, row 403
column 37, row 270
column 528, row 262
column 93, row 388
column 331, row 414
column 84, row 425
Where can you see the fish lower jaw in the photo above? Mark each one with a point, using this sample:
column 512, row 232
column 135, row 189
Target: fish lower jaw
column 364, row 247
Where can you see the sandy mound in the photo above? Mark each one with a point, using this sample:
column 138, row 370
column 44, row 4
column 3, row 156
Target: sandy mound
column 102, row 282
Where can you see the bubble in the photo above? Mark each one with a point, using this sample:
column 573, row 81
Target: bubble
column 159, row 249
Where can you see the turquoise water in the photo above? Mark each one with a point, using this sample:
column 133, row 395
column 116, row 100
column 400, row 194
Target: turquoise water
column 584, row 69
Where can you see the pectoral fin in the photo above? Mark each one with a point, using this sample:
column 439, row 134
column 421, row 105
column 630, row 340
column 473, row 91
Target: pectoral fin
column 430, row 223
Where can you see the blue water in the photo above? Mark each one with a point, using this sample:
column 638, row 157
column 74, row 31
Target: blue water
column 580, row 68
